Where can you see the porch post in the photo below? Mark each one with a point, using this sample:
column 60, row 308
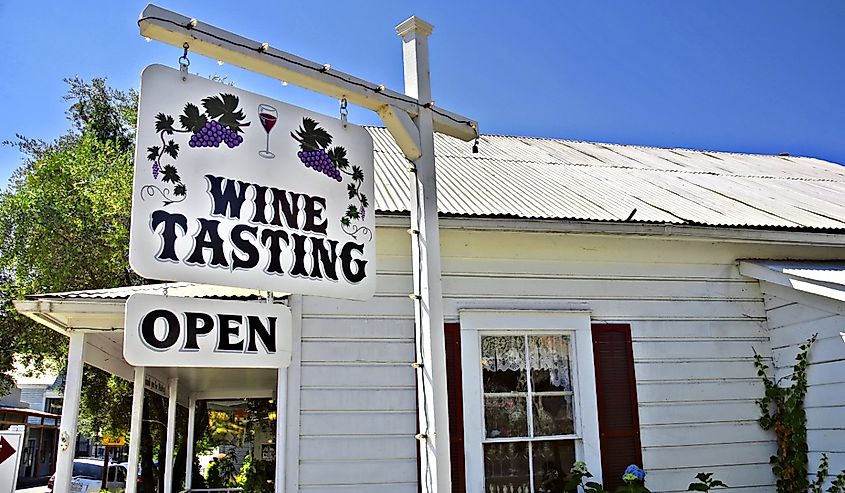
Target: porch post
column 135, row 429
column 432, row 399
column 281, row 428
column 70, row 411
column 189, row 462
column 172, row 386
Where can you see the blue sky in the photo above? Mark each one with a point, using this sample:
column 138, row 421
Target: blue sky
column 735, row 75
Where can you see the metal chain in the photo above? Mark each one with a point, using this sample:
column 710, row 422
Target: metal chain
column 184, row 63
column 344, row 112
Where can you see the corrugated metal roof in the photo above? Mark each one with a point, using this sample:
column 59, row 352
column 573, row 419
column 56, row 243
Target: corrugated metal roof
column 183, row 289
column 537, row 178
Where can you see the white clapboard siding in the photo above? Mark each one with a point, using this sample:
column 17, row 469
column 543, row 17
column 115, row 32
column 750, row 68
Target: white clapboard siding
column 705, row 433
column 711, row 456
column 358, row 394
column 792, row 323
column 743, row 476
column 695, row 322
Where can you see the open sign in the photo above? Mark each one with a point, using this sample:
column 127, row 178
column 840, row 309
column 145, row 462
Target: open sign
column 173, row 332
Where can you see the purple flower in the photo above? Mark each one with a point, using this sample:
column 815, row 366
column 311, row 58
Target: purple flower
column 362, row 212
column 633, row 473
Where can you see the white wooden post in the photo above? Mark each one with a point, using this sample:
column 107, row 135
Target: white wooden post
column 70, row 411
column 189, row 463
column 172, row 386
column 281, row 428
column 135, row 423
column 432, row 397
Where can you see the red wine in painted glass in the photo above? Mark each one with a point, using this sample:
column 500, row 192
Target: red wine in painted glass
column 267, row 121
column 268, row 116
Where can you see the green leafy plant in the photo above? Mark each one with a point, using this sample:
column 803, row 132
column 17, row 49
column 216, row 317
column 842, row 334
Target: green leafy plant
column 782, row 410
column 256, row 476
column 221, row 472
column 577, row 476
column 705, row 482
column 836, row 486
column 634, row 479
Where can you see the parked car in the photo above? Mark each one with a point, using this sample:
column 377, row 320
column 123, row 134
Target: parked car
column 88, row 476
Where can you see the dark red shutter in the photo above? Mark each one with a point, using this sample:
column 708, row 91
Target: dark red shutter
column 454, row 388
column 619, row 422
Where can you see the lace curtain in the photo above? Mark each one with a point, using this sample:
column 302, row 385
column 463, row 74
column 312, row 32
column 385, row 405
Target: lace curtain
column 546, row 352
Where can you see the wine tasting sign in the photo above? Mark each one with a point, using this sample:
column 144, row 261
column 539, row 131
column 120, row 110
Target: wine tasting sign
column 236, row 189
column 173, row 331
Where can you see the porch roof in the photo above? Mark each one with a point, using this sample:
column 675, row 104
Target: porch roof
column 99, row 313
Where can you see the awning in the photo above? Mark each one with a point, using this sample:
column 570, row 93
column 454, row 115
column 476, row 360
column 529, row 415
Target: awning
column 826, row 279
column 28, row 412
column 100, row 314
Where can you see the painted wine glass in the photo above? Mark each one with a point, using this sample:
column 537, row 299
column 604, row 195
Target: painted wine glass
column 268, row 115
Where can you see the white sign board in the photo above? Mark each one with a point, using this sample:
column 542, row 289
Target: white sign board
column 188, row 332
column 11, row 445
column 233, row 188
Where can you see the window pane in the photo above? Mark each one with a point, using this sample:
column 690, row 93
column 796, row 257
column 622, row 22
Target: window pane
column 506, row 467
column 549, row 358
column 552, row 462
column 505, row 416
column 503, row 363
column 552, row 415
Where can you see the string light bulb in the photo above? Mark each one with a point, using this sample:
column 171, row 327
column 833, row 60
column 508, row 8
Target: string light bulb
column 147, row 39
column 219, row 62
column 284, row 83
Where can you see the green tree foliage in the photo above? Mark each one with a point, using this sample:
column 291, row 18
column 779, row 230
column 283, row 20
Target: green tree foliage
column 64, row 224
column 64, row 217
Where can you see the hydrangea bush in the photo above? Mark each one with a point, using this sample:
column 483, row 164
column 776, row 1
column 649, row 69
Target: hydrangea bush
column 634, row 478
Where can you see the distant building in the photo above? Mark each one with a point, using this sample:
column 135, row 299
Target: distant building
column 36, row 404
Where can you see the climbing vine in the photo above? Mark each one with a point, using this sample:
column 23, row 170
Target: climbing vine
column 782, row 410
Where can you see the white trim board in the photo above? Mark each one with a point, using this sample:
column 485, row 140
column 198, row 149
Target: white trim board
column 826, row 296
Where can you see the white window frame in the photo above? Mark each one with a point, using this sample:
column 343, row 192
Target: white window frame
column 575, row 324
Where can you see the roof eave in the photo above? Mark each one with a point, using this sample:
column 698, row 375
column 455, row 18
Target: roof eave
column 817, row 237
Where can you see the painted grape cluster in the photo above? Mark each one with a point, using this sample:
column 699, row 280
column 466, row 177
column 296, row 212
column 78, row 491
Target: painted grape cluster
column 316, row 153
column 221, row 122
column 320, row 161
column 212, row 134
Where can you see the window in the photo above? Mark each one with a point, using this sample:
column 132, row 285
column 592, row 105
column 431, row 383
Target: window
column 53, row 405
column 529, row 399
column 528, row 414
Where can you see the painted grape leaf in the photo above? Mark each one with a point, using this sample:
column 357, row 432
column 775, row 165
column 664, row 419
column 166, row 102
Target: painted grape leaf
column 364, row 201
column 338, row 157
column 311, row 136
column 191, row 119
column 172, row 149
column 170, row 174
column 357, row 173
column 152, row 153
column 225, row 109
column 352, row 212
column 180, row 190
column 351, row 190
column 164, row 123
